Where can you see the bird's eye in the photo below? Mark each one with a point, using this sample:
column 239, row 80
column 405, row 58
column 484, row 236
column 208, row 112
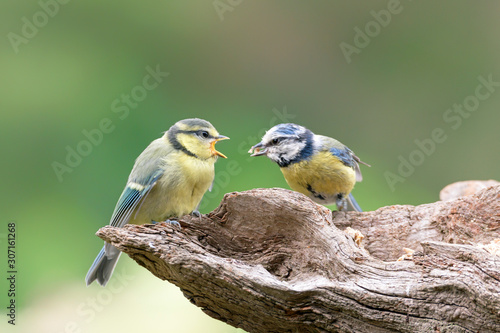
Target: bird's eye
column 204, row 134
column 275, row 141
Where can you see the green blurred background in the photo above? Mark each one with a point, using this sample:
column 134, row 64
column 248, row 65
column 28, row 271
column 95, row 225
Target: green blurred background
column 244, row 66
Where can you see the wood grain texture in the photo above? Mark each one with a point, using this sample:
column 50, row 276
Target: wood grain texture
column 271, row 260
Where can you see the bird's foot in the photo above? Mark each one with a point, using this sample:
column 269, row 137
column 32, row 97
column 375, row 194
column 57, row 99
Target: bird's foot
column 196, row 213
column 341, row 204
column 172, row 222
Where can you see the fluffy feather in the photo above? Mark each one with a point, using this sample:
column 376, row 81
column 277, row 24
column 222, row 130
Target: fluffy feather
column 318, row 166
column 169, row 179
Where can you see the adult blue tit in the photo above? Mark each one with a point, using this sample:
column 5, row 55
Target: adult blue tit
column 320, row 167
column 169, row 179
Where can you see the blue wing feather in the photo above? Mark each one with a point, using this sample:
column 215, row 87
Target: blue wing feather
column 126, row 205
column 130, row 198
column 344, row 155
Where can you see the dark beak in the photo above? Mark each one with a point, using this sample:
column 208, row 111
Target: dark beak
column 258, row 150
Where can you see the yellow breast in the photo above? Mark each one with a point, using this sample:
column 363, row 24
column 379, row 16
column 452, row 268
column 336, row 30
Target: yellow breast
column 194, row 177
column 322, row 178
column 179, row 191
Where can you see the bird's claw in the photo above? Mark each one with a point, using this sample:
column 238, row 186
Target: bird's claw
column 341, row 205
column 173, row 222
column 196, row 213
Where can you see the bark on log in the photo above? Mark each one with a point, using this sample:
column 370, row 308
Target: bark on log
column 271, row 260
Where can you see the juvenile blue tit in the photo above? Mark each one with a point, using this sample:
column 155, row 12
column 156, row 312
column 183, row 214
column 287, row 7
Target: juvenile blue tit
column 169, row 179
column 320, row 167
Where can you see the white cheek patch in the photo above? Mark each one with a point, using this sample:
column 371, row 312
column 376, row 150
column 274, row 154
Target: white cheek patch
column 291, row 150
column 291, row 146
column 272, row 156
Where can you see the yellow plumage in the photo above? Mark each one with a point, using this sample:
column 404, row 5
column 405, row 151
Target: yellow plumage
column 193, row 180
column 318, row 166
column 325, row 174
column 168, row 180
column 179, row 193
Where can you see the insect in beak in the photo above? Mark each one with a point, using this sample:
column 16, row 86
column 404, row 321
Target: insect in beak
column 258, row 150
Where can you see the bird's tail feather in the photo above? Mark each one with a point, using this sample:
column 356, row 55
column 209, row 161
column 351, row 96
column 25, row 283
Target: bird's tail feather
column 352, row 204
column 103, row 266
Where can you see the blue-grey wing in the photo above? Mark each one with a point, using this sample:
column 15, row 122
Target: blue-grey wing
column 343, row 153
column 346, row 156
column 148, row 168
column 131, row 196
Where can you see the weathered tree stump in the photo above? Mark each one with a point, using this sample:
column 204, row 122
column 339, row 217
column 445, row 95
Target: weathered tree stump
column 271, row 260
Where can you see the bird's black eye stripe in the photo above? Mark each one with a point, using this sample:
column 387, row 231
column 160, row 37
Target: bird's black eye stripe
column 203, row 134
column 275, row 141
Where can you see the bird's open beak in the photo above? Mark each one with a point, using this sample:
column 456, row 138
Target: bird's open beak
column 212, row 146
column 258, row 150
